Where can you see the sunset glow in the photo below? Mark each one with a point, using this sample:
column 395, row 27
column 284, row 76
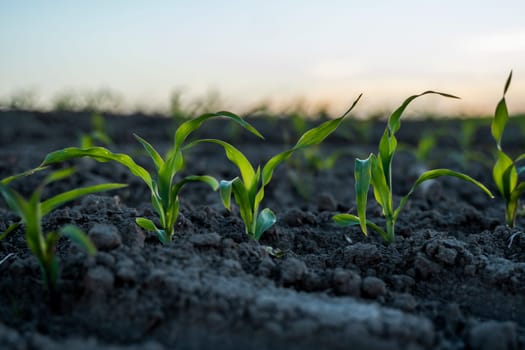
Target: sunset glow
column 276, row 52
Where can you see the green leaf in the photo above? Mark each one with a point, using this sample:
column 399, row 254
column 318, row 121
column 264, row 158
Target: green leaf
column 53, row 202
column 501, row 116
column 154, row 155
column 520, row 157
column 11, row 178
column 99, row 154
column 382, row 192
column 209, row 180
column 265, row 220
column 311, row 137
column 387, row 147
column 186, row 128
column 225, row 189
column 242, row 198
column 345, row 220
column 9, row 229
column 505, row 175
column 362, row 174
column 272, row 164
column 518, row 191
column 148, row 225
column 240, row 121
column 432, row 174
column 14, row 200
column 394, row 119
column 316, row 135
column 236, row 157
column 507, row 84
column 58, row 175
column 79, row 237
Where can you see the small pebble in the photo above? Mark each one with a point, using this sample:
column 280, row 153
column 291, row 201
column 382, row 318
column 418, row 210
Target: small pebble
column 492, row 335
column 99, row 279
column 105, row 237
column 347, row 282
column 374, row 287
column 293, row 270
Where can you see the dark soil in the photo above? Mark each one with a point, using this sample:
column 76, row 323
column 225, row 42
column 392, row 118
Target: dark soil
column 453, row 279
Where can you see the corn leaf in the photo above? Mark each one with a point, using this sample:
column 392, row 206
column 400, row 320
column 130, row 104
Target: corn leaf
column 209, row 180
column 273, row 163
column 14, row 200
column 11, row 178
column 58, row 175
column 265, row 220
column 505, row 175
column 518, row 191
column 507, row 84
column 186, row 128
column 48, row 205
column 311, row 137
column 394, row 120
column 154, row 155
column 99, row 154
column 362, row 174
column 242, row 198
column 225, row 190
column 352, row 220
column 501, row 115
column 148, row 225
column 236, row 157
column 387, row 148
column 79, row 237
column 432, row 174
column 9, row 229
column 382, row 192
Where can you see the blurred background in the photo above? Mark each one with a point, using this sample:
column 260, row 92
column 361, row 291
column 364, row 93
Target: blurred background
column 156, row 56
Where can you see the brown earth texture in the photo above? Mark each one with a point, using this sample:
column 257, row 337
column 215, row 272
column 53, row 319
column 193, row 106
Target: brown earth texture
column 453, row 279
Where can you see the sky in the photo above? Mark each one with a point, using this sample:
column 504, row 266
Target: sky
column 318, row 53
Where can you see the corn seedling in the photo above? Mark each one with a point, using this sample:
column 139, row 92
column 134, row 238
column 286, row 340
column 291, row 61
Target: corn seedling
column 31, row 212
column 469, row 153
column 162, row 185
column 248, row 189
column 376, row 171
column 98, row 133
column 310, row 161
column 505, row 172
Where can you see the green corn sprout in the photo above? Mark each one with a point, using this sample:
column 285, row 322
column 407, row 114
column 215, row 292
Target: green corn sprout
column 376, row 171
column 98, row 134
column 505, row 172
column 162, row 185
column 31, row 211
column 248, row 189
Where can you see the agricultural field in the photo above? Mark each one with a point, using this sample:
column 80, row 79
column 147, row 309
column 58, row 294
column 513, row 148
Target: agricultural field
column 177, row 240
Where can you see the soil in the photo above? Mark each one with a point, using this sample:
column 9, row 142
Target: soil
column 453, row 279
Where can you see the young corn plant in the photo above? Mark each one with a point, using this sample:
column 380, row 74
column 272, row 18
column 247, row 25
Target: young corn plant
column 98, row 133
column 376, row 171
column 162, row 183
column 32, row 210
column 505, row 172
column 248, row 189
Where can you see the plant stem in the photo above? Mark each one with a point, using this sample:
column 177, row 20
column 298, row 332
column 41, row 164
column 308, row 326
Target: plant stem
column 510, row 213
column 390, row 235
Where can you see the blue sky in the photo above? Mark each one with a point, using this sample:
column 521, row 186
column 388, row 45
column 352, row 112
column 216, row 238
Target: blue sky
column 320, row 52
